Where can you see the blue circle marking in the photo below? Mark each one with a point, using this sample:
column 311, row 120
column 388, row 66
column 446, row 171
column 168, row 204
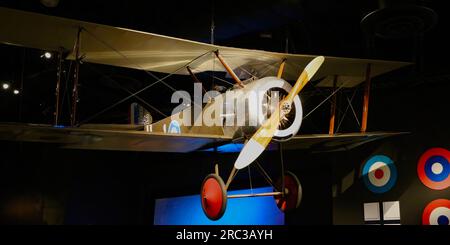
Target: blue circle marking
column 174, row 127
column 445, row 168
column 393, row 178
column 443, row 220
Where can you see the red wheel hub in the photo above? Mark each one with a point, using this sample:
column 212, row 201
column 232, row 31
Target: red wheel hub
column 293, row 195
column 214, row 197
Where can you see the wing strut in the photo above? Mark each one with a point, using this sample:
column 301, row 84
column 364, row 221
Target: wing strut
column 228, row 68
column 333, row 107
column 58, row 85
column 76, row 73
column 281, row 69
column 195, row 78
column 366, row 100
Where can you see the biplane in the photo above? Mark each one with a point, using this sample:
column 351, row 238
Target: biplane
column 94, row 43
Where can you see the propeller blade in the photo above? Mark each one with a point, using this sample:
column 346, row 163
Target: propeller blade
column 259, row 141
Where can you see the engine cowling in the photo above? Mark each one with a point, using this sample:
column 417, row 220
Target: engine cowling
column 289, row 125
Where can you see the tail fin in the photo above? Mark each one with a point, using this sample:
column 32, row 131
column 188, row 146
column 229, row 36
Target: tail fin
column 139, row 115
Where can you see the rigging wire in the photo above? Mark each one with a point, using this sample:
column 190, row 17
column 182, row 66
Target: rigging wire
column 324, row 95
column 143, row 89
column 353, row 110
column 346, row 110
column 125, row 57
column 126, row 90
column 326, row 99
column 250, row 179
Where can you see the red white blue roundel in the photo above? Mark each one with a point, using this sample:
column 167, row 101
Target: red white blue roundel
column 174, row 127
column 379, row 174
column 437, row 212
column 434, row 168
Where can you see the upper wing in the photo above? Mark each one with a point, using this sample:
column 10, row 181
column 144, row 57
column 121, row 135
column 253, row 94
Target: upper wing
column 139, row 50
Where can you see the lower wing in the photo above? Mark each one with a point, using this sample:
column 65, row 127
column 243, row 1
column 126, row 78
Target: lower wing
column 134, row 138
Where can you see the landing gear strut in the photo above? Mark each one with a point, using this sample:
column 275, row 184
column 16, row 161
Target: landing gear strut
column 214, row 196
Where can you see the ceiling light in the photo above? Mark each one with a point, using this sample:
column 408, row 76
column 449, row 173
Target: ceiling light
column 47, row 55
column 5, row 86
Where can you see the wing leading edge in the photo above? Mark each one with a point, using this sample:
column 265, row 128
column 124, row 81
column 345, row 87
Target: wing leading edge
column 147, row 51
column 317, row 143
column 131, row 138
column 112, row 138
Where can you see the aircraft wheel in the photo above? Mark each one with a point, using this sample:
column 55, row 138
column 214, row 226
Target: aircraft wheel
column 213, row 196
column 293, row 195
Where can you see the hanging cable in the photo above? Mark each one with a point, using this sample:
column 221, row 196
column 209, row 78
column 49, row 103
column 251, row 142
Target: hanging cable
column 212, row 27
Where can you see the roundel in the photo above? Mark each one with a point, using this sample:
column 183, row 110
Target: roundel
column 437, row 212
column 174, row 127
column 379, row 173
column 433, row 168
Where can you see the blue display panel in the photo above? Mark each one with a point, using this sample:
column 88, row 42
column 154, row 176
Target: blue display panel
column 187, row 210
column 227, row 148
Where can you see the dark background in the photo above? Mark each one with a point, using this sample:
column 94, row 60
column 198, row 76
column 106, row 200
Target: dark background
column 42, row 184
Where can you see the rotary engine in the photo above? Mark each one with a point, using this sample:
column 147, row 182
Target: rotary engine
column 259, row 99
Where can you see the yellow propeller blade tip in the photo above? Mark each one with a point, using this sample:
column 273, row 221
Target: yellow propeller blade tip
column 314, row 65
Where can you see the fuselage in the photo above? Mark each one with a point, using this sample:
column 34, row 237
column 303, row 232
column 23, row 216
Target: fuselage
column 238, row 111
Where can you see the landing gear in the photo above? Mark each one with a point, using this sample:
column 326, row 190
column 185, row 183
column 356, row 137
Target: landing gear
column 292, row 194
column 213, row 196
column 287, row 191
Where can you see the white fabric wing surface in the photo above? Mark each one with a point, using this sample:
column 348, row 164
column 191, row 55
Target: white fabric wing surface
column 140, row 50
